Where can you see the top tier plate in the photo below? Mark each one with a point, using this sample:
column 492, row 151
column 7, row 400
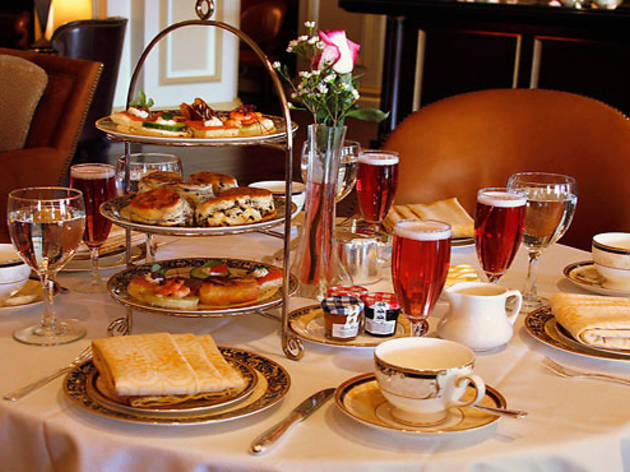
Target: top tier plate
column 112, row 130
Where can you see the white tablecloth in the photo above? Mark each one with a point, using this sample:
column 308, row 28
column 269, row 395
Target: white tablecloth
column 572, row 424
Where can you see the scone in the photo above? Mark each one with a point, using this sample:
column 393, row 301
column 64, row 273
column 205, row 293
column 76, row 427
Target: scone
column 157, row 179
column 219, row 182
column 161, row 206
column 236, row 206
column 194, row 193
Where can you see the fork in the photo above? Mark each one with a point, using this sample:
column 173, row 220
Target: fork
column 564, row 371
column 83, row 356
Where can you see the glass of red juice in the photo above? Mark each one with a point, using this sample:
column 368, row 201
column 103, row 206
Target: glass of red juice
column 377, row 181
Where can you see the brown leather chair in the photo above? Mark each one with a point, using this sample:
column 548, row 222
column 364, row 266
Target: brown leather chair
column 96, row 40
column 55, row 127
column 462, row 143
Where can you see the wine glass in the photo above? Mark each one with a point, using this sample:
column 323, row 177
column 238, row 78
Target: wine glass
column 46, row 226
column 140, row 164
column 97, row 182
column 421, row 256
column 551, row 201
column 377, row 180
column 348, row 165
column 499, row 217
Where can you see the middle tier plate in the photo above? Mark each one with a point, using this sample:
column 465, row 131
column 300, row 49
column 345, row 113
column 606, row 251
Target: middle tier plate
column 111, row 210
column 118, row 283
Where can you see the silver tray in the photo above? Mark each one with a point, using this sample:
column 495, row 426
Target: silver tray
column 272, row 386
column 117, row 286
column 111, row 210
column 110, row 128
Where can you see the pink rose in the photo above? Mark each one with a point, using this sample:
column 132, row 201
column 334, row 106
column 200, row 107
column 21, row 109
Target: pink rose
column 338, row 50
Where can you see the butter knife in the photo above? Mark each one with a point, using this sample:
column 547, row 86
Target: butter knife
column 267, row 439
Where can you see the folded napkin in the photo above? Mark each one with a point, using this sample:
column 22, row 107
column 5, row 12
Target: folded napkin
column 594, row 320
column 448, row 210
column 162, row 368
column 461, row 273
column 114, row 241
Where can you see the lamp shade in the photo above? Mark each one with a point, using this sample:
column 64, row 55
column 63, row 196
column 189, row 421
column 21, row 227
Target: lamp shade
column 65, row 11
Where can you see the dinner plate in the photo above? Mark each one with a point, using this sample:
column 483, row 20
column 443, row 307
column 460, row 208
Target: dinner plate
column 585, row 275
column 189, row 408
column 111, row 260
column 308, row 323
column 111, row 209
column 117, row 286
column 462, row 242
column 29, row 295
column 361, row 399
column 106, row 125
column 272, row 385
column 542, row 325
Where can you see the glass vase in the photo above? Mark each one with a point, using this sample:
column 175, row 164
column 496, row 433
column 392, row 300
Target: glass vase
column 316, row 261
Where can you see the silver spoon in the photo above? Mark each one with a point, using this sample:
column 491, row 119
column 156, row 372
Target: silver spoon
column 502, row 411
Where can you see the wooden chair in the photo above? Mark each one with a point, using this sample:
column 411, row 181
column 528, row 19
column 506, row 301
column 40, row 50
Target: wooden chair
column 55, row 128
column 462, row 143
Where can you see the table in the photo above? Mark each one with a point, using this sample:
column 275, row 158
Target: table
column 572, row 424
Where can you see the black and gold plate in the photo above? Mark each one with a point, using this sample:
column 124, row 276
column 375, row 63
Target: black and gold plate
column 272, row 384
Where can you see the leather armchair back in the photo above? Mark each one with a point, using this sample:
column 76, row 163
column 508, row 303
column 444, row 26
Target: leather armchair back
column 462, row 143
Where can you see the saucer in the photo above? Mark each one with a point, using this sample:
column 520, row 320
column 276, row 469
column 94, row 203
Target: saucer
column 585, row 275
column 361, row 399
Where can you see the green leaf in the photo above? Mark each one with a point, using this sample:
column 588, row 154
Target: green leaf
column 368, row 114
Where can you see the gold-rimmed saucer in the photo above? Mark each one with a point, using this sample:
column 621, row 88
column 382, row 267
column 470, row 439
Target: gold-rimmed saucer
column 361, row 399
column 542, row 325
column 585, row 275
column 308, row 323
column 30, row 294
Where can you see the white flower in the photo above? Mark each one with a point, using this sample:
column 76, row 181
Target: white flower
column 355, row 94
column 322, row 88
column 276, row 65
column 302, row 38
column 313, row 40
column 329, row 78
column 304, row 74
column 309, row 24
column 290, row 105
column 344, row 86
column 293, row 95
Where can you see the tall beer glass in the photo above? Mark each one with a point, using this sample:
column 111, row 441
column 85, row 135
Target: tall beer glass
column 420, row 259
column 377, row 181
column 499, row 217
column 551, row 201
column 46, row 225
column 98, row 184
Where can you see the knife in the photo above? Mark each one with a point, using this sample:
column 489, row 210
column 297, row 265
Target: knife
column 267, row 439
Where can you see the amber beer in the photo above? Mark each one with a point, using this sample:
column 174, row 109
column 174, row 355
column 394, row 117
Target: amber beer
column 98, row 184
column 377, row 179
column 420, row 260
column 499, row 220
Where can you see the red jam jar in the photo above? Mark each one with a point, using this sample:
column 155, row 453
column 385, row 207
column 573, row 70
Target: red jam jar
column 381, row 313
column 342, row 317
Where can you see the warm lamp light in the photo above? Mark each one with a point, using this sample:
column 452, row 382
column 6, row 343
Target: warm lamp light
column 65, row 11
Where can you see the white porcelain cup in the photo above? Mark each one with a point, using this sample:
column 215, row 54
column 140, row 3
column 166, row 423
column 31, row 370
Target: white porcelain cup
column 423, row 377
column 277, row 187
column 13, row 271
column 479, row 316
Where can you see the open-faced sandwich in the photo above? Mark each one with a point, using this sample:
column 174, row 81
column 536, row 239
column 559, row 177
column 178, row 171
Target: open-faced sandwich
column 213, row 284
column 196, row 120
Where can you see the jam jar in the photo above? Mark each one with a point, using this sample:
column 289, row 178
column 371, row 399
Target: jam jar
column 381, row 313
column 347, row 290
column 342, row 317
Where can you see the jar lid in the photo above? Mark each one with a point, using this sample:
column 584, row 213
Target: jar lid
column 342, row 305
column 348, row 290
column 387, row 298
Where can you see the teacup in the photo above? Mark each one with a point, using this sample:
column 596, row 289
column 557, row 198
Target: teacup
column 13, row 271
column 423, row 377
column 277, row 187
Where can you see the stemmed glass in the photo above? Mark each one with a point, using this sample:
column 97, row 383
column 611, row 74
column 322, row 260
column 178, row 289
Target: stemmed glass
column 140, row 164
column 46, row 226
column 551, row 201
column 348, row 164
column 499, row 217
column 421, row 256
column 97, row 182
column 377, row 181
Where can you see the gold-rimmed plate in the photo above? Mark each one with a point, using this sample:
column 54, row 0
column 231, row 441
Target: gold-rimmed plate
column 189, row 408
column 29, row 295
column 585, row 275
column 118, row 283
column 462, row 242
column 361, row 399
column 308, row 323
column 279, row 133
column 112, row 210
column 542, row 325
column 273, row 383
column 110, row 260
